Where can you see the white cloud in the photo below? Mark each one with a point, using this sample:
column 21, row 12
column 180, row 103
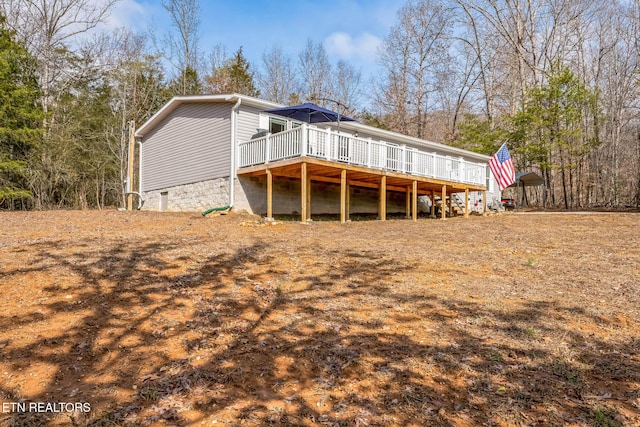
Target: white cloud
column 343, row 45
column 130, row 14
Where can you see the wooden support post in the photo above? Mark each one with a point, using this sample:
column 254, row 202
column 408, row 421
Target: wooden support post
column 451, row 205
column 383, row 198
column 269, row 194
column 303, row 192
column 308, row 197
column 443, row 213
column 132, row 145
column 484, row 202
column 433, row 203
column 414, row 202
column 466, row 203
column 343, row 196
column 348, row 201
column 408, row 202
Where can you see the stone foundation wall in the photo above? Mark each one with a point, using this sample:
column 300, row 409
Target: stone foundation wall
column 194, row 197
column 251, row 196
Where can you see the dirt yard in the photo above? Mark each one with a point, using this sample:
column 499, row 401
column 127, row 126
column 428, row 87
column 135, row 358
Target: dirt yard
column 128, row 319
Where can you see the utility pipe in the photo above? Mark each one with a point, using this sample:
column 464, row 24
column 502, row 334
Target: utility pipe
column 232, row 173
column 139, row 165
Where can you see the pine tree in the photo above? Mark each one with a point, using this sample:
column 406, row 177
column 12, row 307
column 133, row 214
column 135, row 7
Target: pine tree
column 241, row 77
column 233, row 77
column 20, row 116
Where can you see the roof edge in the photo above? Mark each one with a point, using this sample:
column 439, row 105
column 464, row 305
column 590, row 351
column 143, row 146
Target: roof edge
column 176, row 101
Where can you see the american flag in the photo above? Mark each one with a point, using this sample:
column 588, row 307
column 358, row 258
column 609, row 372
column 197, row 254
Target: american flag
column 502, row 167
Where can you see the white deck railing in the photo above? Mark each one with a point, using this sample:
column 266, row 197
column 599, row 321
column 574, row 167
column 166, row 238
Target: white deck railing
column 329, row 145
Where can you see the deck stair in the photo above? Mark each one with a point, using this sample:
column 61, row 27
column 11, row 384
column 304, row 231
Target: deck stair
column 458, row 206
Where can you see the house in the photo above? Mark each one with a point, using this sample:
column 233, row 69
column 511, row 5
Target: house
column 208, row 151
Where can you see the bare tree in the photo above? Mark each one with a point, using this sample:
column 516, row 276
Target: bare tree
column 183, row 44
column 48, row 27
column 615, row 61
column 410, row 55
column 315, row 72
column 277, row 81
column 346, row 87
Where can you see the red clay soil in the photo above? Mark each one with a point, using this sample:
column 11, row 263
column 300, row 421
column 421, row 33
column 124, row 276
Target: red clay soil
column 126, row 319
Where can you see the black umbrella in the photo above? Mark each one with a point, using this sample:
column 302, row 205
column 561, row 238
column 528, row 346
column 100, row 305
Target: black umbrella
column 310, row 113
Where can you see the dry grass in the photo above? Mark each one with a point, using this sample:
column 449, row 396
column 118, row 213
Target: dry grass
column 175, row 319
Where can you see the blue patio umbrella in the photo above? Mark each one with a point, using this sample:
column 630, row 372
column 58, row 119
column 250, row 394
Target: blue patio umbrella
column 310, row 113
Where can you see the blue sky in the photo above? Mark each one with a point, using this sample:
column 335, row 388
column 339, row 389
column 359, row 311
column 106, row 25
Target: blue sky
column 348, row 29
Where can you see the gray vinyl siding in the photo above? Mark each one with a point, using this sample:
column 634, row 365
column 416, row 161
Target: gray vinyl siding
column 192, row 144
column 248, row 122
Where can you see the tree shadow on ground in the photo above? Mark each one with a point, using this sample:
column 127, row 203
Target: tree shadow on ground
column 259, row 335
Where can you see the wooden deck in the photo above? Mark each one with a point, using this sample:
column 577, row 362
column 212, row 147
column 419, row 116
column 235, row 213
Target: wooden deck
column 308, row 169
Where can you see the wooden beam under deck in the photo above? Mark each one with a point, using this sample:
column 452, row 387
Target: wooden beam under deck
column 414, row 201
column 383, row 198
column 307, row 169
column 358, row 175
column 484, row 202
column 343, row 196
column 443, row 210
column 303, row 192
column 408, row 202
column 466, row 203
column 269, row 194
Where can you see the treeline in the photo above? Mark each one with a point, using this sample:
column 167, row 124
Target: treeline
column 558, row 81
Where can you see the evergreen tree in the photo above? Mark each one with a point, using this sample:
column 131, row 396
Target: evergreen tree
column 241, row 76
column 234, row 76
column 20, row 116
column 553, row 132
column 188, row 83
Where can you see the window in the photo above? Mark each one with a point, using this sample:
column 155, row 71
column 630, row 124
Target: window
column 277, row 125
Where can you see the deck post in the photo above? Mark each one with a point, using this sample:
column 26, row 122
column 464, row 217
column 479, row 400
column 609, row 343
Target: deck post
column 329, row 145
column 451, row 205
column 303, row 192
column 433, row 203
column 348, row 201
column 414, row 202
column 267, row 148
column 308, row 197
column 484, row 202
column 408, row 202
column 383, row 198
column 403, row 165
column 443, row 213
column 269, row 194
column 466, row 202
column 303, row 140
column 343, row 196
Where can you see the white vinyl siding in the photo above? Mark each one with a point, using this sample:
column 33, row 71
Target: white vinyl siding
column 248, row 122
column 191, row 144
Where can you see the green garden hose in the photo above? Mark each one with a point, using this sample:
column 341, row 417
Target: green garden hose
column 208, row 211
